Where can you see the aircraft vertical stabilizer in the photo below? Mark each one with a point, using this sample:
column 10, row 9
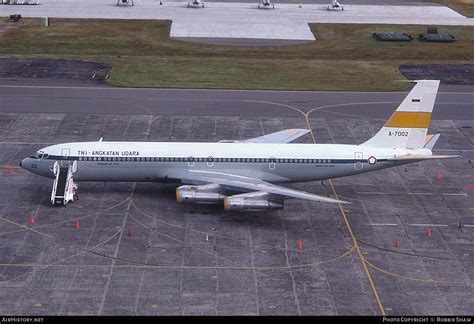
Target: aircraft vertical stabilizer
column 408, row 125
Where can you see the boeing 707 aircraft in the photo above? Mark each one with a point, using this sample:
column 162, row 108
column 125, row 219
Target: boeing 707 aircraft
column 243, row 175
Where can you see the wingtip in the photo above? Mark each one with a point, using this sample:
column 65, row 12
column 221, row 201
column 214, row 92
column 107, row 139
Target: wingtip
column 297, row 130
column 445, row 156
column 343, row 202
column 338, row 201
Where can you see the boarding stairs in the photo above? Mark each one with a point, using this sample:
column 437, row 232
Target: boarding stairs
column 64, row 188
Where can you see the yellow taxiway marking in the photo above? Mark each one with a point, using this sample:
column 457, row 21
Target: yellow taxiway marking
column 35, row 228
column 133, row 265
column 24, row 228
column 425, row 280
column 354, row 239
column 359, row 252
column 199, row 90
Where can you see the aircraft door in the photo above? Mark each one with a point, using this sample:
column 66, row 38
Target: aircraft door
column 271, row 163
column 190, row 161
column 210, row 161
column 358, row 164
column 65, row 153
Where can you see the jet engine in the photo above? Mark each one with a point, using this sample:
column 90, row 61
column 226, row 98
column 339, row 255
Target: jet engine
column 254, row 201
column 206, row 194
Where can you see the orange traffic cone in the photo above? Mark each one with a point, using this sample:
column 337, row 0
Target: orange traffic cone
column 300, row 245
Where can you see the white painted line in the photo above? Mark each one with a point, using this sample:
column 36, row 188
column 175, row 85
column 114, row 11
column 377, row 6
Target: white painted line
column 412, row 193
column 430, row 225
column 419, row 225
column 26, row 143
column 396, row 193
column 385, row 193
column 446, row 150
column 371, row 193
column 381, row 224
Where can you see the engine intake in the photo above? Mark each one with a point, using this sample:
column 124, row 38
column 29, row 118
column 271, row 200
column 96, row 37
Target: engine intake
column 206, row 194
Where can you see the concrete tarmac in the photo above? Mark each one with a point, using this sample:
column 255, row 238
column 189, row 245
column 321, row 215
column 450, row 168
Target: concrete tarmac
column 77, row 97
column 229, row 20
column 137, row 252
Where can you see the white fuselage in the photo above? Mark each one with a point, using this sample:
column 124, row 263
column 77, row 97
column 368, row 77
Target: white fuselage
column 163, row 161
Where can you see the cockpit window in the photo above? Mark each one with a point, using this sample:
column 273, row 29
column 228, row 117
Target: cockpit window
column 40, row 156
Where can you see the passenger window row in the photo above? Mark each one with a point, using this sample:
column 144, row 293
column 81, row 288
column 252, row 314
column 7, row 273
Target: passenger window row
column 208, row 159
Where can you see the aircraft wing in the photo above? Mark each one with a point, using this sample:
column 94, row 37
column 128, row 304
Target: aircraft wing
column 252, row 184
column 284, row 136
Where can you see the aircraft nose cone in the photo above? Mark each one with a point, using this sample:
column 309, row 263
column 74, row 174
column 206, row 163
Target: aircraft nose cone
column 24, row 163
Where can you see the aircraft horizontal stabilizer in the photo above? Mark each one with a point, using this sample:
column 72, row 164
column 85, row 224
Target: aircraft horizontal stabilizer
column 430, row 141
column 419, row 157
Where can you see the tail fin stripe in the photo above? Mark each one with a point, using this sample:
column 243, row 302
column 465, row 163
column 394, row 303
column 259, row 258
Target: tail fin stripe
column 408, row 119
